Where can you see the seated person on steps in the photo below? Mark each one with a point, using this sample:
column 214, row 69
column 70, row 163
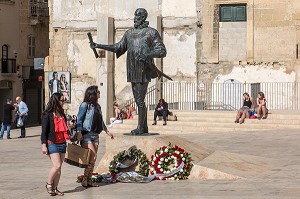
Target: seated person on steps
column 161, row 110
column 130, row 111
column 243, row 112
column 261, row 106
column 118, row 116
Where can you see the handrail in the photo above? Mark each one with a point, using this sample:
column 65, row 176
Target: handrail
column 223, row 96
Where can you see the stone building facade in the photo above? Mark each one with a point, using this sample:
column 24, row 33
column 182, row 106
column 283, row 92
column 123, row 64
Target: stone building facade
column 207, row 41
column 24, row 35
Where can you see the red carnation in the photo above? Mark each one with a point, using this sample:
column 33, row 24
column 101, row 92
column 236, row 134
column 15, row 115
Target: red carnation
column 165, row 154
column 163, row 148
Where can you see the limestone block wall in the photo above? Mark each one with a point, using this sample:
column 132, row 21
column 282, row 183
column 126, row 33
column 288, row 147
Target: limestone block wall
column 70, row 20
column 272, row 36
column 232, row 41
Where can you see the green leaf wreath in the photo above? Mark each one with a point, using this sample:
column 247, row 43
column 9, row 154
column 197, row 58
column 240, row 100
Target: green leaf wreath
column 132, row 154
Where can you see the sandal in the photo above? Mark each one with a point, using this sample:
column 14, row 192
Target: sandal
column 264, row 117
column 50, row 189
column 57, row 192
column 236, row 121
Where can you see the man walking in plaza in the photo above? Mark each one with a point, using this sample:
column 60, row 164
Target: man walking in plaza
column 22, row 112
column 6, row 124
column 142, row 44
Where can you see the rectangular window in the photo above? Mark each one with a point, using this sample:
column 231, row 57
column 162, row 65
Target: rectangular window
column 233, row 13
column 31, row 46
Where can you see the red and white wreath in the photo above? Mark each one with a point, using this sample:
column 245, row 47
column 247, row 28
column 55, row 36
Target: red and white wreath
column 171, row 163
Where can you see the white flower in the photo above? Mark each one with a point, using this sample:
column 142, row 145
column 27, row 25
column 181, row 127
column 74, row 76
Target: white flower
column 166, row 160
column 181, row 155
column 175, row 175
column 161, row 159
column 181, row 170
column 161, row 151
column 172, row 178
column 168, row 171
column 152, row 163
column 159, row 162
column 164, row 172
column 166, row 150
column 154, row 158
column 183, row 159
column 160, row 178
column 161, row 170
column 177, row 152
column 159, row 166
column 152, row 169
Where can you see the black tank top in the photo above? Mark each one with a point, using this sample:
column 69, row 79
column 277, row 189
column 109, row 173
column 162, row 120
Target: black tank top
column 247, row 103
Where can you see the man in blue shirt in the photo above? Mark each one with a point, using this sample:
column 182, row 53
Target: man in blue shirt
column 22, row 112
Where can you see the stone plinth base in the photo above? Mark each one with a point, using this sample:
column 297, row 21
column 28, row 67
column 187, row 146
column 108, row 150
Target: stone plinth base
column 208, row 164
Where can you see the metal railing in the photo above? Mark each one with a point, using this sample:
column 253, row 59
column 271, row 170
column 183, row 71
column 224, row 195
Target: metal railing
column 224, row 96
column 38, row 9
column 8, row 66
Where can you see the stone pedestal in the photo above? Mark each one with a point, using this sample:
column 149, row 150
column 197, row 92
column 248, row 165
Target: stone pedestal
column 208, row 164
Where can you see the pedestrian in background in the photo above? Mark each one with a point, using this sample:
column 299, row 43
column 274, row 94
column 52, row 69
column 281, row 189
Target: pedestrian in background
column 53, row 138
column 6, row 124
column 22, row 112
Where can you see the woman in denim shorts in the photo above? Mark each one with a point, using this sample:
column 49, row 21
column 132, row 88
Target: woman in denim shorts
column 89, row 125
column 53, row 138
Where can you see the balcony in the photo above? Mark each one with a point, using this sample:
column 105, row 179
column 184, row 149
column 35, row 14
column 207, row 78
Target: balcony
column 38, row 12
column 8, row 66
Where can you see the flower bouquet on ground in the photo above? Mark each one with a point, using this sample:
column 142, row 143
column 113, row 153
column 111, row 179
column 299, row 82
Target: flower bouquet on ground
column 96, row 178
column 171, row 163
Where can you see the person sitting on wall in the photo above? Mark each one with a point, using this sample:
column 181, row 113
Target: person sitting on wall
column 118, row 119
column 261, row 106
column 243, row 112
column 130, row 111
column 161, row 110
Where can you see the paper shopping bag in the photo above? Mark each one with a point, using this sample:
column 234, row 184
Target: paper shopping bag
column 77, row 156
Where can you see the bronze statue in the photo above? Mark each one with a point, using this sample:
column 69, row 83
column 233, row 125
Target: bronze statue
column 142, row 44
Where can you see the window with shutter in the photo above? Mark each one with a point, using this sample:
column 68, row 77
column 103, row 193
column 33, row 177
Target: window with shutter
column 233, row 13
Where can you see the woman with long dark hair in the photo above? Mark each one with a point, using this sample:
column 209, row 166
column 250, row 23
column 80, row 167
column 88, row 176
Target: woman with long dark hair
column 53, row 138
column 89, row 125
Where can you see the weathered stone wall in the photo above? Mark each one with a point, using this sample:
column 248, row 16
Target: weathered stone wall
column 272, row 33
column 69, row 51
column 232, row 41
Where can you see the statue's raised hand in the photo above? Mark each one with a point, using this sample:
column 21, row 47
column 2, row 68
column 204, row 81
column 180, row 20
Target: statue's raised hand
column 93, row 45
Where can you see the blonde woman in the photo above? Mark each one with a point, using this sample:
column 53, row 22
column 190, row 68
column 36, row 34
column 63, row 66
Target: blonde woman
column 261, row 106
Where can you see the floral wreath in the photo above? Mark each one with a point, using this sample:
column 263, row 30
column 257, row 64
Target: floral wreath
column 133, row 154
column 171, row 163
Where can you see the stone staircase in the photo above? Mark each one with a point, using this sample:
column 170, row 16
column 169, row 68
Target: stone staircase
column 213, row 121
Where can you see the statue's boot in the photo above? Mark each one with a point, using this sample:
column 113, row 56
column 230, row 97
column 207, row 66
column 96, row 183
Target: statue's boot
column 142, row 127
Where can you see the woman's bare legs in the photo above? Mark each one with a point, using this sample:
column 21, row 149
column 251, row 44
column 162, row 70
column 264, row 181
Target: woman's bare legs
column 238, row 116
column 264, row 111
column 243, row 116
column 55, row 172
column 259, row 111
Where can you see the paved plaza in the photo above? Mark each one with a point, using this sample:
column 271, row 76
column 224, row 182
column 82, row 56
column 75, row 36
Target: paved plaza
column 24, row 170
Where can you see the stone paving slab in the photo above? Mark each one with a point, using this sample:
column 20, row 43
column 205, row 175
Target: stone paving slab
column 24, row 170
